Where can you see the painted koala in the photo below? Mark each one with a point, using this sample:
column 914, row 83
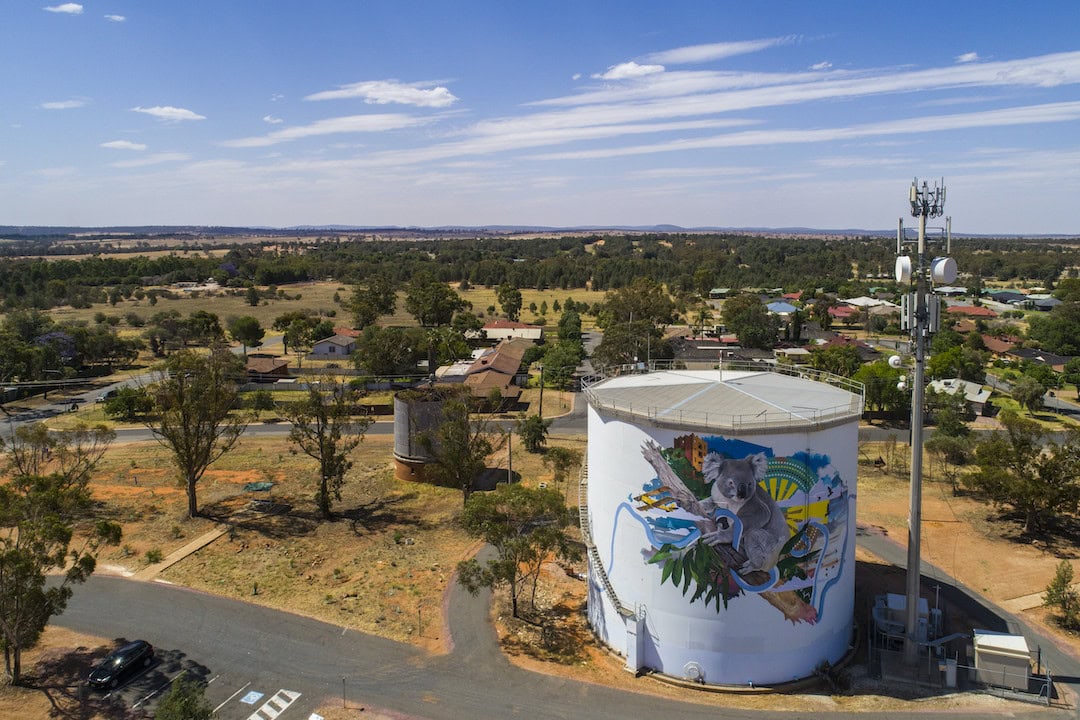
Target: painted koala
column 735, row 487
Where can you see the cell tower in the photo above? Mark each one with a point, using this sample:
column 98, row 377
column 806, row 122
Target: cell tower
column 920, row 314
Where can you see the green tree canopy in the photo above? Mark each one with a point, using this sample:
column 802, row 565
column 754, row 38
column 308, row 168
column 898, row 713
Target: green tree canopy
column 372, row 299
column 525, row 526
column 509, row 299
column 1021, row 467
column 46, row 493
column 323, row 427
column 247, row 331
column 194, row 397
column 753, row 324
column 1058, row 330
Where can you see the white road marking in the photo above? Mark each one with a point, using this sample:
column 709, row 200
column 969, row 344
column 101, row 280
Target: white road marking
column 275, row 705
column 162, row 687
column 232, row 696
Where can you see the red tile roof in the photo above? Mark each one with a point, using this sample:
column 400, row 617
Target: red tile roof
column 971, row 311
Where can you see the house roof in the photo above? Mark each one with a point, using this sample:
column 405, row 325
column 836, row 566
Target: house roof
column 505, row 358
column 843, row 311
column 339, row 340
column 1040, row 356
column 793, row 295
column 997, row 345
column 972, row 392
column 971, row 311
column 347, row 332
column 481, row 383
column 265, row 365
column 504, row 324
column 781, row 308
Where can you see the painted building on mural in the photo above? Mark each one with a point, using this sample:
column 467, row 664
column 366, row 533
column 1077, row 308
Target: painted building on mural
column 720, row 520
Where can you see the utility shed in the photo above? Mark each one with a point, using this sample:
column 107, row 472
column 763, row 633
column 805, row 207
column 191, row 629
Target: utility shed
column 1002, row 660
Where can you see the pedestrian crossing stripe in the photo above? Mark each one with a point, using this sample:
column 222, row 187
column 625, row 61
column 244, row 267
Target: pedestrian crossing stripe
column 276, row 705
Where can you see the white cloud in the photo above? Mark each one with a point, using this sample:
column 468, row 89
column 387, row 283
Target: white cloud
column 1024, row 115
column 167, row 112
column 155, row 159
column 967, row 57
column 383, row 92
column 628, row 70
column 276, row 96
column 115, row 18
column 716, row 51
column 575, row 76
column 272, row 120
column 63, row 104
column 331, row 126
column 122, row 145
column 823, row 65
column 65, row 8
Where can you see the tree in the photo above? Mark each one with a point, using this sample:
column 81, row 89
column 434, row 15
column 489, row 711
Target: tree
column 569, row 325
column 1058, row 330
column 533, row 430
column 509, row 299
column 433, row 304
column 840, row 360
column 47, row 492
column 247, row 331
column 1029, row 393
column 561, row 461
column 253, row 296
column 1061, row 596
column 193, row 398
column 186, row 700
column 880, row 381
column 389, row 351
column 1071, row 374
column 460, row 444
column 299, row 337
column 525, row 526
column 633, row 319
column 951, row 412
column 129, row 403
column 1022, row 468
column 702, row 316
column 324, row 429
column 747, row 317
column 373, row 299
column 560, row 361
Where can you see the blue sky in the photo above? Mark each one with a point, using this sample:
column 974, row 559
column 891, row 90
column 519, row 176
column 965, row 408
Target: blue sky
column 708, row 113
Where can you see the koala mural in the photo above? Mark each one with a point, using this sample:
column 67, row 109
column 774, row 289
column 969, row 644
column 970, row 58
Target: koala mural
column 734, row 486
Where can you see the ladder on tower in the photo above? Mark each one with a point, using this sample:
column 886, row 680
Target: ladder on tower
column 586, row 535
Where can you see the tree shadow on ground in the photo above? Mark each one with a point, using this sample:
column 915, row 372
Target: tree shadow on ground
column 379, row 514
column 1060, row 535
column 60, row 675
column 277, row 519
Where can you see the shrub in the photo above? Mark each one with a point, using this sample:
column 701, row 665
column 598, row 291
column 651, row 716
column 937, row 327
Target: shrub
column 154, row 556
column 1061, row 596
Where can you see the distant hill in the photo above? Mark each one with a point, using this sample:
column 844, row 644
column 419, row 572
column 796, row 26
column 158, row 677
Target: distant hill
column 197, row 231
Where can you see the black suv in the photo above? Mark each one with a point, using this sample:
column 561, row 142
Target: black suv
column 122, row 664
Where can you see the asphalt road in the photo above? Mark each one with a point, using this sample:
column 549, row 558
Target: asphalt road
column 243, row 650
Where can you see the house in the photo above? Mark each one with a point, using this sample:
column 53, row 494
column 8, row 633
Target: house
column 1041, row 357
column 974, row 393
column 333, row 347
column 973, row 311
column 844, row 313
column 866, row 353
column 347, row 332
column 783, row 309
column 793, row 296
column 719, row 293
column 1008, row 297
column 950, row 291
column 794, row 355
column 999, row 346
column 703, row 353
column 1045, row 304
column 266, row 369
column 502, row 329
column 497, row 368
